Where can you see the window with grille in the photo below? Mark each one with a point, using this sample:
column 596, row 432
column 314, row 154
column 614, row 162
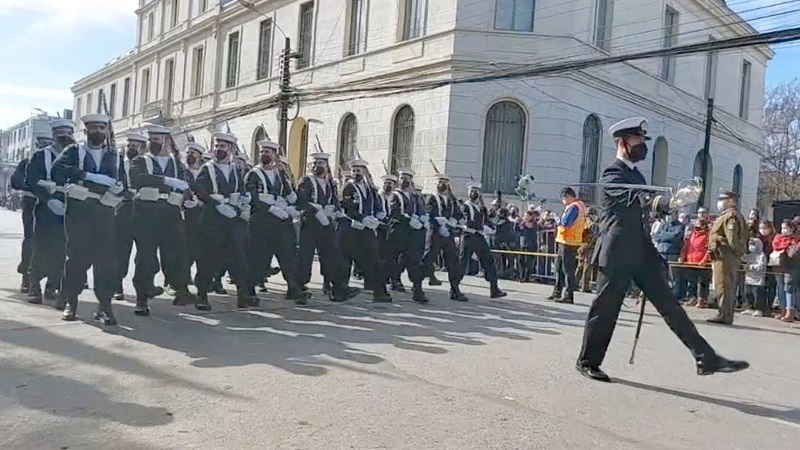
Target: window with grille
column 112, row 100
column 232, row 76
column 604, row 23
column 306, row 37
column 264, row 49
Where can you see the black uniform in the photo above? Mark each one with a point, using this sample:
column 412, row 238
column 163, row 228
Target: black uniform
column 473, row 242
column 384, row 215
column 48, row 253
column 191, row 223
column 159, row 229
column 18, row 182
column 124, row 232
column 360, row 243
column 271, row 235
column 407, row 242
column 223, row 239
column 440, row 238
column 624, row 253
column 89, row 226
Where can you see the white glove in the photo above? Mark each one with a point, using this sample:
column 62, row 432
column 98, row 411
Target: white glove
column 267, row 198
column 381, row 215
column 189, row 204
column 329, row 210
column 117, row 188
column 245, row 199
column 293, row 212
column 278, row 212
column 452, row 222
column 414, row 217
column 281, row 202
column 99, row 178
column 56, row 206
column 176, row 183
column 291, row 198
column 424, row 218
column 322, row 218
column 441, row 221
column 444, row 231
column 487, row 231
column 226, row 210
column 316, row 206
column 415, row 223
column 370, row 222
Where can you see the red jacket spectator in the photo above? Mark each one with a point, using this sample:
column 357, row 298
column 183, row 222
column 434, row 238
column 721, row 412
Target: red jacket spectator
column 695, row 249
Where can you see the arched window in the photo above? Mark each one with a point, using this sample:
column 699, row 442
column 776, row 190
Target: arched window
column 660, row 162
column 403, row 139
column 259, row 135
column 737, row 180
column 590, row 156
column 348, row 134
column 707, row 179
column 503, row 147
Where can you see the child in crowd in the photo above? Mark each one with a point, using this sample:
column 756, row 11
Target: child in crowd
column 755, row 284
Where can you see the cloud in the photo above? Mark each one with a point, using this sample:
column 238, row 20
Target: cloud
column 19, row 101
column 59, row 16
column 14, row 91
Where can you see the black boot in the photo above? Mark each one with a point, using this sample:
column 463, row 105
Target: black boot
column 397, row 286
column 381, row 296
column 495, row 292
column 297, row 294
column 141, row 309
column 554, row 296
column 70, row 308
column 245, row 300
column 433, row 281
column 418, row 295
column 49, row 292
column 456, row 294
column 183, row 297
column 34, row 294
column 104, row 314
column 25, row 286
column 120, row 293
column 202, row 302
column 217, row 288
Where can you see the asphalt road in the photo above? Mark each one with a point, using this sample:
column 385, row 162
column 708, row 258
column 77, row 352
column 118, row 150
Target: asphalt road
column 482, row 375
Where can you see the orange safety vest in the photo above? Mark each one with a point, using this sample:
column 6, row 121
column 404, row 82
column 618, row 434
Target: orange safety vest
column 573, row 234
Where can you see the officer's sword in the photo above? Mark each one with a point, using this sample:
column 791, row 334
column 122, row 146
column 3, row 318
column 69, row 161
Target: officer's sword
column 643, row 187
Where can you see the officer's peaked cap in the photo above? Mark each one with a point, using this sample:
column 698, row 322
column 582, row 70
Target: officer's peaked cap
column 634, row 126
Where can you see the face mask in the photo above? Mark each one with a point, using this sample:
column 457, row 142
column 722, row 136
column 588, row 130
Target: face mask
column 319, row 171
column 64, row 141
column 96, row 138
column 405, row 184
column 132, row 153
column 191, row 159
column 266, row 159
column 637, row 152
column 721, row 205
column 358, row 177
column 387, row 188
column 752, row 248
column 221, row 154
column 156, row 147
column 786, row 232
column 474, row 196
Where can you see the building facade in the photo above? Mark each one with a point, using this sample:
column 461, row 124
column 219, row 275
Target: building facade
column 200, row 66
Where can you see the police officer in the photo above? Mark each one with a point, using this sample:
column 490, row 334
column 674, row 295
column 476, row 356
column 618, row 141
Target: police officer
column 473, row 242
column 569, row 236
column 94, row 178
column 223, row 228
column 624, row 254
column 359, row 242
column 124, row 219
column 19, row 183
column 48, row 254
column 443, row 209
column 727, row 243
column 407, row 235
column 158, row 178
column 271, row 229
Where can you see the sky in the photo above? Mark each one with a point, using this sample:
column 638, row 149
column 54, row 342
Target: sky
column 49, row 44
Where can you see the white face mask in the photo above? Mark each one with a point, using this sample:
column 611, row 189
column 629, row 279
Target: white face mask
column 721, row 205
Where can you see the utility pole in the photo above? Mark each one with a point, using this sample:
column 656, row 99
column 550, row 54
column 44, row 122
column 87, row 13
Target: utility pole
column 706, row 153
column 285, row 101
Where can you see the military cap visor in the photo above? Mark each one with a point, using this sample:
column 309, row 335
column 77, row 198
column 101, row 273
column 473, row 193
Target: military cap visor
column 634, row 126
column 725, row 194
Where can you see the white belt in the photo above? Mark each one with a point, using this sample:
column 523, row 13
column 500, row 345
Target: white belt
column 81, row 193
column 28, row 194
column 471, row 230
column 51, row 187
column 173, row 198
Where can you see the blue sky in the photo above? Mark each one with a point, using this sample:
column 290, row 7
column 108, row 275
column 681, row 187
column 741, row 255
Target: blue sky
column 48, row 44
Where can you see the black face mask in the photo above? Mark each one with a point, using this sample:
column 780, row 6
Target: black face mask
column 442, row 188
column 156, row 147
column 221, row 154
column 405, row 184
column 474, row 196
column 132, row 153
column 96, row 138
column 358, row 177
column 191, row 159
column 266, row 159
column 319, row 171
column 64, row 141
column 637, row 152
column 387, row 188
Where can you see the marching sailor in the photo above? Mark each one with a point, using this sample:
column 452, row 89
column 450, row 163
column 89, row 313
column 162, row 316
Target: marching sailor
column 473, row 241
column 360, row 203
column 94, row 178
column 124, row 218
column 158, row 178
column 192, row 210
column 384, row 198
column 48, row 250
column 19, row 183
column 317, row 199
column 223, row 228
column 443, row 208
column 407, row 235
column 271, row 229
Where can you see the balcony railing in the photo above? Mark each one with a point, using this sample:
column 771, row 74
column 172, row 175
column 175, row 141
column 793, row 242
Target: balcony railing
column 160, row 109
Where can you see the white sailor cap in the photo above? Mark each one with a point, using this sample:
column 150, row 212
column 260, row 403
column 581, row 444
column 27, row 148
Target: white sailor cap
column 389, row 177
column 441, row 176
column 320, row 156
column 207, row 156
column 406, row 172
column 227, row 137
column 636, row 126
column 136, row 137
column 62, row 123
column 43, row 135
column 474, row 186
column 195, row 147
column 95, row 118
column 153, row 129
column 358, row 163
column 266, row 143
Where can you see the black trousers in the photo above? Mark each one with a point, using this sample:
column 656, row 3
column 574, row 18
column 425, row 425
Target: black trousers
column 191, row 226
column 223, row 247
column 475, row 244
column 159, row 231
column 270, row 236
column 361, row 246
column 124, row 225
column 47, row 260
column 612, row 285
column 315, row 237
column 565, row 267
column 409, row 244
column 90, row 242
column 435, row 244
column 28, row 204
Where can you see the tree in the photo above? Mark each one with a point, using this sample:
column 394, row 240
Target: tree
column 780, row 164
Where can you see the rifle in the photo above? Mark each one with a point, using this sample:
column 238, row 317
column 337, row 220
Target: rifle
column 110, row 130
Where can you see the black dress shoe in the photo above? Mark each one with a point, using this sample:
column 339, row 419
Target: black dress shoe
column 720, row 365
column 719, row 320
column 593, row 373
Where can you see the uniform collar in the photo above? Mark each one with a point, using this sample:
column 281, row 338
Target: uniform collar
column 627, row 163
